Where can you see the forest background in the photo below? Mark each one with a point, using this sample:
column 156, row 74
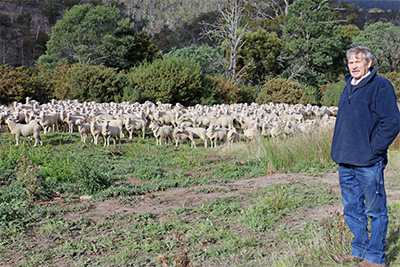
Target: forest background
column 191, row 52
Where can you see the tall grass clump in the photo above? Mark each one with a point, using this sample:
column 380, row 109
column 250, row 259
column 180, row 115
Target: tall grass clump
column 289, row 152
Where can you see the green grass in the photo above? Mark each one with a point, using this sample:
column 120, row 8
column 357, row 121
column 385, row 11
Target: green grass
column 43, row 223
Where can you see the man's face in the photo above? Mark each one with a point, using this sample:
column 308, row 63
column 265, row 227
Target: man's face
column 358, row 66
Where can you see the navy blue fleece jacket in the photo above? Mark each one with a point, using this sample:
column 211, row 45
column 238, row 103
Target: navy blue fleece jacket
column 367, row 122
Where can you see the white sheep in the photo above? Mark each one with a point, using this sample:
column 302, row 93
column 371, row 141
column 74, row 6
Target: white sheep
column 290, row 128
column 161, row 133
column 95, row 130
column 109, row 131
column 48, row 121
column 224, row 121
column 180, row 133
column 251, row 134
column 266, row 129
column 71, row 121
column 232, row 136
column 83, row 129
column 216, row 134
column 31, row 129
column 133, row 124
column 200, row 133
column 165, row 118
column 276, row 129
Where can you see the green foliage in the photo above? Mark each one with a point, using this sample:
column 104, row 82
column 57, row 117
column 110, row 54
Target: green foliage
column 330, row 93
column 223, row 90
column 169, row 80
column 279, row 90
column 247, row 93
column 29, row 176
column 97, row 34
column 206, row 57
column 384, row 41
column 310, row 95
column 129, row 48
column 394, row 78
column 313, row 40
column 90, row 178
column 51, row 10
column 238, row 170
column 278, row 200
column 260, row 52
column 279, row 154
column 88, row 83
column 80, row 35
column 18, row 83
column 70, row 169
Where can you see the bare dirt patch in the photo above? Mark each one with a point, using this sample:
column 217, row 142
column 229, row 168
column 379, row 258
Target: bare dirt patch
column 159, row 202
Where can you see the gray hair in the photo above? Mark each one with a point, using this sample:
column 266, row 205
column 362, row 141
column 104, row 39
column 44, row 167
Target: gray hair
column 363, row 50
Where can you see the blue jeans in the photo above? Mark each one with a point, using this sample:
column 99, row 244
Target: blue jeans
column 363, row 196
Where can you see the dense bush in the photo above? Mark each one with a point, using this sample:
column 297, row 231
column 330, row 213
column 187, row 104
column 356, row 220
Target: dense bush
column 169, row 80
column 222, row 90
column 88, row 83
column 248, row 93
column 330, row 93
column 394, row 78
column 18, row 83
column 279, row 90
column 203, row 55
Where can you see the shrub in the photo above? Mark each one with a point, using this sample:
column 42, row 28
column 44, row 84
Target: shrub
column 310, row 95
column 279, row 90
column 223, row 90
column 330, row 93
column 394, row 78
column 88, row 83
column 18, row 83
column 203, row 55
column 169, row 80
column 248, row 93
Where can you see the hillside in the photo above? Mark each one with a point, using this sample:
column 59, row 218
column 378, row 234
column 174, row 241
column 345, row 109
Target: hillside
column 26, row 24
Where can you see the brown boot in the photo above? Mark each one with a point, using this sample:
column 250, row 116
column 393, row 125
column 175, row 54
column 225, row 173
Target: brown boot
column 365, row 263
column 345, row 258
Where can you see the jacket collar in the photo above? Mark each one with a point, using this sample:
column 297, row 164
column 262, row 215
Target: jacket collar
column 364, row 81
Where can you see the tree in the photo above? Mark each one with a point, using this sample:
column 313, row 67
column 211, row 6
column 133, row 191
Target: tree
column 229, row 31
column 128, row 47
column 97, row 35
column 203, row 55
column 79, row 36
column 384, row 41
column 313, row 39
column 263, row 49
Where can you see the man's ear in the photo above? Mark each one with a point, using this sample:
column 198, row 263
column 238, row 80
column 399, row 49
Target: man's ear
column 369, row 64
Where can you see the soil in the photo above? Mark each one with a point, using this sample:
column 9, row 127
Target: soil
column 159, row 202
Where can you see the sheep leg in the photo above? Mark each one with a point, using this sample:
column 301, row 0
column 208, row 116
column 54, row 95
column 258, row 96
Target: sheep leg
column 17, row 140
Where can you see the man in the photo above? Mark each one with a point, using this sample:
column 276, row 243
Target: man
column 367, row 122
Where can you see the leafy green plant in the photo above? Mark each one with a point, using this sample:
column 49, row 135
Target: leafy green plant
column 169, row 80
column 330, row 93
column 279, row 90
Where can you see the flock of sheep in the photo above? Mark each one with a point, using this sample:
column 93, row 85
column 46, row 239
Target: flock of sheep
column 218, row 124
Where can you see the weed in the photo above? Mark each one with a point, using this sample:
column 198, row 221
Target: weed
column 29, row 176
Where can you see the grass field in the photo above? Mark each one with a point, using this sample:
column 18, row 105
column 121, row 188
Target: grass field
column 274, row 203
